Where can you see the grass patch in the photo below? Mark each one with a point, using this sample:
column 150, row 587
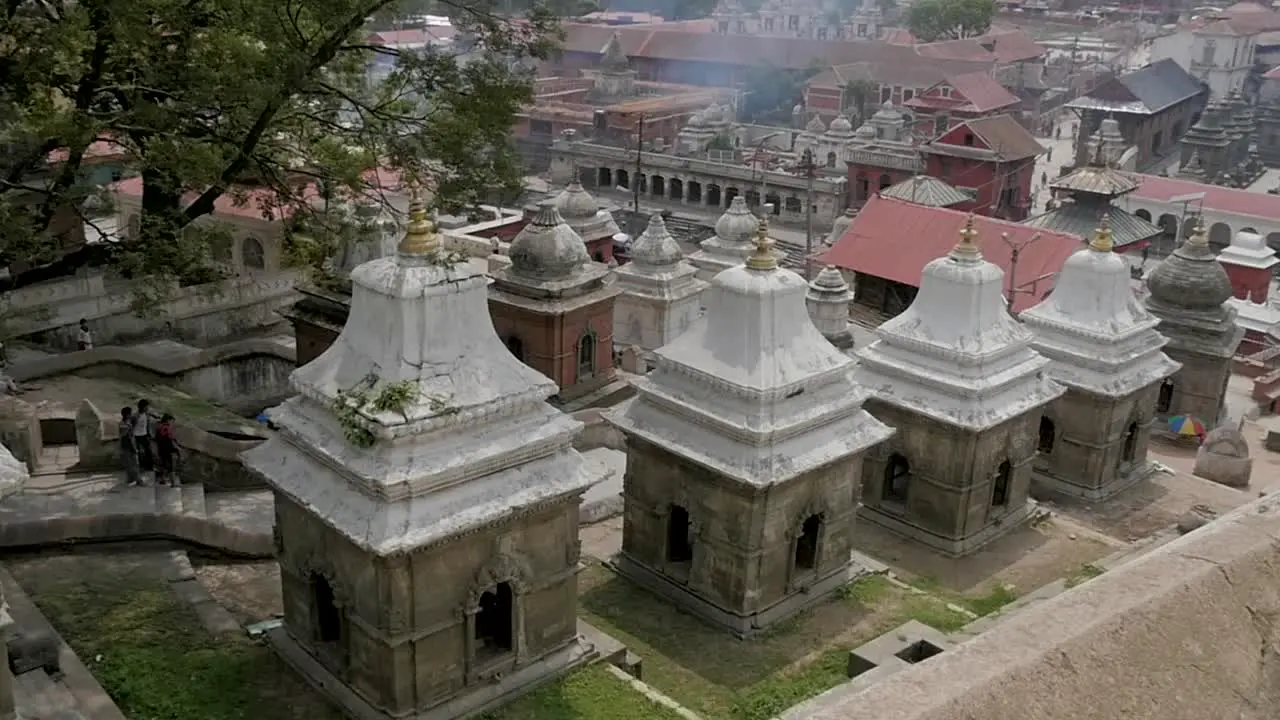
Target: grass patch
column 589, row 694
column 722, row 678
column 158, row 663
column 993, row 600
column 1085, row 572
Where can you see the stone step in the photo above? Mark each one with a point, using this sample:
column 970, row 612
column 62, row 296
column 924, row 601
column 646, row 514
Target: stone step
column 193, row 500
column 168, row 500
column 38, row 696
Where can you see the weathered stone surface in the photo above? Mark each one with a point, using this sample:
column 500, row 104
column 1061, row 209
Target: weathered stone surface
column 1191, row 521
column 32, row 650
column 1224, row 458
column 434, row 567
column 1182, row 632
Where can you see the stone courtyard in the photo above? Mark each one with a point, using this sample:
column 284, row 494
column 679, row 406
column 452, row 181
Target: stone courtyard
column 109, row 604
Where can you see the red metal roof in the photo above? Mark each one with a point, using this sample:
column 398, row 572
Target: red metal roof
column 1224, row 200
column 978, row 93
column 894, row 240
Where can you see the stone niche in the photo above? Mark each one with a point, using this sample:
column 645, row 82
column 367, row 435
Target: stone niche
column 949, row 488
column 1092, row 447
column 409, row 633
column 739, row 557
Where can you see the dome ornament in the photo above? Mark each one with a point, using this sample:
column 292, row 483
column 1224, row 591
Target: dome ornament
column 1102, row 237
column 967, row 249
column 762, row 258
column 1199, row 237
column 421, row 237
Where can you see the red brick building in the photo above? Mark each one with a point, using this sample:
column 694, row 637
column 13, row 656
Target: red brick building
column 553, row 307
column 959, row 98
column 993, row 158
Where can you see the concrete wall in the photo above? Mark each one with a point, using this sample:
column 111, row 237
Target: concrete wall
column 1188, row 631
column 204, row 313
column 244, row 376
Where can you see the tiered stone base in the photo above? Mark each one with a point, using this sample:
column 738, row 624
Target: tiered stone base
column 741, row 625
column 475, row 701
column 949, row 546
column 1046, row 485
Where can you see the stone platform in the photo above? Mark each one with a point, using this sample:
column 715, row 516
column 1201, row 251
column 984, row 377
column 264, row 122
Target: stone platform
column 560, row 663
column 60, row 509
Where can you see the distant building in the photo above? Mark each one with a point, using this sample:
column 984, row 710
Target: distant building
column 1222, row 49
column 808, row 19
column 1153, row 105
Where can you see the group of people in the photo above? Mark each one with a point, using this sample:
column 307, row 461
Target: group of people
column 148, row 445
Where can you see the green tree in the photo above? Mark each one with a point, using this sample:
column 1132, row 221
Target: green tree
column 857, row 95
column 771, row 91
column 931, row 20
column 209, row 97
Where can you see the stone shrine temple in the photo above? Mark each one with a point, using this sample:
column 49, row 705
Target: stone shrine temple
column 660, row 296
column 731, row 244
column 828, row 301
column 1103, row 346
column 594, row 224
column 744, row 451
column 553, row 306
column 426, row 501
column 1189, row 293
column 956, row 375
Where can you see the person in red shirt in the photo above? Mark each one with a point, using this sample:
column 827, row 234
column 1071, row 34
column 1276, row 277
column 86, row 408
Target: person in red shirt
column 166, row 452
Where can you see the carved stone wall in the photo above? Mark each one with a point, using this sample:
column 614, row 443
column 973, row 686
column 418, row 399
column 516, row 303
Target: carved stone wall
column 408, row 621
column 743, row 539
column 948, row 499
column 1089, row 437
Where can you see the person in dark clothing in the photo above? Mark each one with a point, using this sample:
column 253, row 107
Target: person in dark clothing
column 143, row 428
column 166, row 452
column 129, row 449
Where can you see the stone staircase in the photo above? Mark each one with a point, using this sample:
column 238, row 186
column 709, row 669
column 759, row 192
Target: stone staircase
column 96, row 508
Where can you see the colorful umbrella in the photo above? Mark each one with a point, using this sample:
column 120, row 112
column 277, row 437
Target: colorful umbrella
column 1186, row 425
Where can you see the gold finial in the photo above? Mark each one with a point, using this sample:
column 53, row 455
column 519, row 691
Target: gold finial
column 762, row 258
column 967, row 248
column 421, row 237
column 1199, row 237
column 1102, row 237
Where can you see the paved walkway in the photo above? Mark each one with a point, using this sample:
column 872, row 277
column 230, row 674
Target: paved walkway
column 89, row 507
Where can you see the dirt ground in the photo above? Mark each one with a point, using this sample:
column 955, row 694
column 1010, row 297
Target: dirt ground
column 250, row 591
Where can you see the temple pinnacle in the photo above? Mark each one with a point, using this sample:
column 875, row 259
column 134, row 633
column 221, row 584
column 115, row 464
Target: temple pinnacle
column 762, row 258
column 967, row 248
column 1199, row 237
column 1102, row 237
column 421, row 237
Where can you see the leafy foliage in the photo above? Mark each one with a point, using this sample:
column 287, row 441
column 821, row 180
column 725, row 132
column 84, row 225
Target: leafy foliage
column 858, row 94
column 265, row 104
column 931, row 20
column 773, row 91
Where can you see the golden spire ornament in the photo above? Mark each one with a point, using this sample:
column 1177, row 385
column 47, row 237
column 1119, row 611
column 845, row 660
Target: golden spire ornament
column 421, row 237
column 967, row 248
column 762, row 257
column 1102, row 241
column 1199, row 237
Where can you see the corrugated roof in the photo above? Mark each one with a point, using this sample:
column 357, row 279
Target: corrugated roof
column 975, row 92
column 1007, row 46
column 1097, row 180
column 1082, row 219
column 894, row 240
column 1148, row 90
column 1006, row 139
column 926, row 190
column 1221, row 199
